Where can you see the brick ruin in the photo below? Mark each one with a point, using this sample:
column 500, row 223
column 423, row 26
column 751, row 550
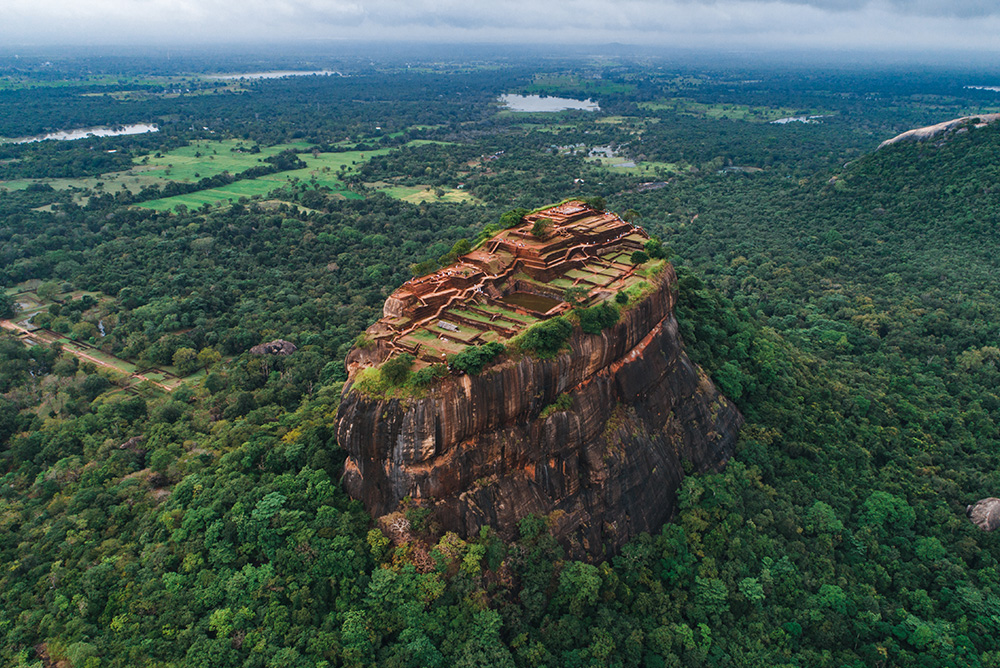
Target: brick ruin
column 511, row 282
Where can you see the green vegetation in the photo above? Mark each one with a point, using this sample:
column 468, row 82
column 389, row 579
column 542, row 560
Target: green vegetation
column 540, row 228
column 728, row 111
column 544, row 339
column 563, row 402
column 429, row 375
column 850, row 312
column 597, row 318
column 396, row 370
column 474, row 359
column 639, row 257
column 513, row 217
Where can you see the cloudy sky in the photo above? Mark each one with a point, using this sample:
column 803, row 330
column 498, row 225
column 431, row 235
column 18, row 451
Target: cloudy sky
column 837, row 24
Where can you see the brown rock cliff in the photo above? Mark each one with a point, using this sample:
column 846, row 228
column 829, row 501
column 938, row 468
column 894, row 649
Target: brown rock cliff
column 475, row 450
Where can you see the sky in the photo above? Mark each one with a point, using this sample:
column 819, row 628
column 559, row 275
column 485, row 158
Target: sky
column 908, row 25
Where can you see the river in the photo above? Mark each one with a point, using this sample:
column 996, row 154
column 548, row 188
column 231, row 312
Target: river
column 83, row 133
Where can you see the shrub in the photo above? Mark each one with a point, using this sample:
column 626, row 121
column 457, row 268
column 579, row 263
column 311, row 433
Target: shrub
column 596, row 318
column 512, row 218
column 362, row 340
column 370, row 381
column 563, row 402
column 640, row 257
column 541, row 228
column 474, row 359
column 396, row 370
column 654, row 247
column 546, row 338
column 575, row 295
column 428, row 375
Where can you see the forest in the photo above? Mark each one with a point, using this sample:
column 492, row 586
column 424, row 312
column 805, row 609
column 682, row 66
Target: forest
column 844, row 296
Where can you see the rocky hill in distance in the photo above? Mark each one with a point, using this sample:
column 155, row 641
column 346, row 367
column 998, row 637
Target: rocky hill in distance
column 942, row 129
column 542, row 373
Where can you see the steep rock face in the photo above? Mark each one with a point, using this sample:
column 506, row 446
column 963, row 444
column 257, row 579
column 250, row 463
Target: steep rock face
column 475, row 450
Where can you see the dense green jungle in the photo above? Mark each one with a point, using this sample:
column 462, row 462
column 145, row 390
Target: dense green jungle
column 845, row 297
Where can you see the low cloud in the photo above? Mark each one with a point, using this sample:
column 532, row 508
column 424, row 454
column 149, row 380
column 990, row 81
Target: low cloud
column 843, row 24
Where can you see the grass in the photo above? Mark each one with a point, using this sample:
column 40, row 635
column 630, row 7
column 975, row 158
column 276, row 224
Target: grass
column 419, row 194
column 187, row 164
column 322, row 169
column 651, row 169
column 208, row 158
column 469, row 314
column 203, row 159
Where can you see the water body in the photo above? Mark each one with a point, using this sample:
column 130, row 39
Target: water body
column 274, row 75
column 83, row 133
column 798, row 119
column 537, row 103
column 531, row 302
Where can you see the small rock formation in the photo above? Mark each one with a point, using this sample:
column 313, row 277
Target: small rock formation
column 476, row 449
column 985, row 513
column 276, row 347
column 133, row 444
column 934, row 131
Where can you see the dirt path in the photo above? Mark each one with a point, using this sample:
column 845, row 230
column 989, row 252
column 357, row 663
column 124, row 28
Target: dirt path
column 47, row 338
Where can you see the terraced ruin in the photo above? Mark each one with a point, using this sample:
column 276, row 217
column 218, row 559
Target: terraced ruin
column 512, row 281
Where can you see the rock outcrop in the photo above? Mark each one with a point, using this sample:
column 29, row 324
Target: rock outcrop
column 940, row 129
column 985, row 513
column 276, row 347
column 477, row 451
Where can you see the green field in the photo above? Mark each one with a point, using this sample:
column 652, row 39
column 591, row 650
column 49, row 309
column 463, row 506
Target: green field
column 418, row 194
column 187, row 164
column 649, row 169
column 323, row 170
column 203, row 159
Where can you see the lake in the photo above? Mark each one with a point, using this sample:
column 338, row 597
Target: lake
column 537, row 103
column 83, row 133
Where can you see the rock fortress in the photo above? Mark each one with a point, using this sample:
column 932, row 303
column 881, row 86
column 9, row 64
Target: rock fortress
column 596, row 437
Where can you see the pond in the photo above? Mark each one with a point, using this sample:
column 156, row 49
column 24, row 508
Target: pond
column 530, row 301
column 83, row 133
column 537, row 103
column 800, row 119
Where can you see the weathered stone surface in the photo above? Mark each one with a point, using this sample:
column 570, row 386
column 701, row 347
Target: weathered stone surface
column 985, row 513
column 276, row 347
column 934, row 131
column 475, row 450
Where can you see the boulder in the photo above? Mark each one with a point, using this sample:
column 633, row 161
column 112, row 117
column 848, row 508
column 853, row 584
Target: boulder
column 985, row 513
column 276, row 347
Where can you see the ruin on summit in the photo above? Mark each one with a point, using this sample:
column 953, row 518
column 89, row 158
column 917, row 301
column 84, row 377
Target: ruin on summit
column 511, row 281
